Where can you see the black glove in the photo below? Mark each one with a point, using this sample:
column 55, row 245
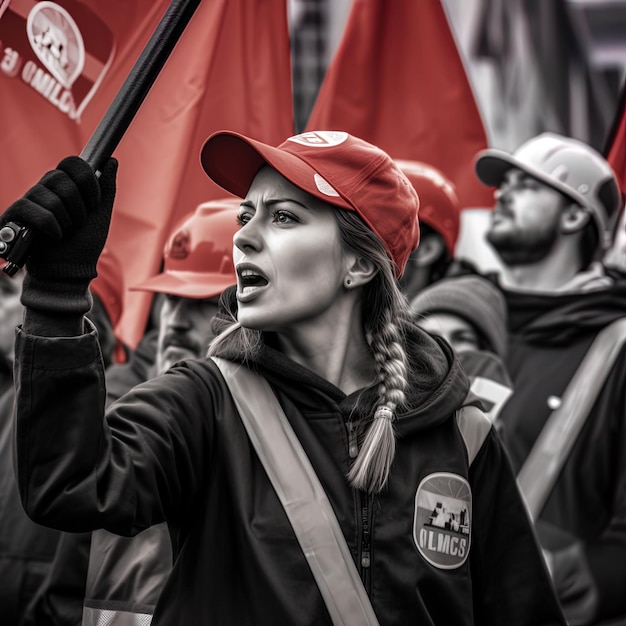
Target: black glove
column 574, row 584
column 573, row 580
column 69, row 212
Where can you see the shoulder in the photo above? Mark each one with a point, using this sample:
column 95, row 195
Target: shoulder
column 191, row 381
column 474, row 426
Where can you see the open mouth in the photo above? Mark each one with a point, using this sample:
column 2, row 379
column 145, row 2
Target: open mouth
column 250, row 278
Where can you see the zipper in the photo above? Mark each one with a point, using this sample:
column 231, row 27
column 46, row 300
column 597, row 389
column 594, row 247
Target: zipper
column 366, row 534
column 353, row 446
column 364, row 557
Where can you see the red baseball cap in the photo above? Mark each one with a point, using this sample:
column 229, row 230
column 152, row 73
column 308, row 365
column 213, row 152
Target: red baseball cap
column 335, row 167
column 198, row 256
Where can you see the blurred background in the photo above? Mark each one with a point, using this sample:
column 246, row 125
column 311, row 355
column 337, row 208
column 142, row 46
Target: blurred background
column 426, row 80
column 534, row 65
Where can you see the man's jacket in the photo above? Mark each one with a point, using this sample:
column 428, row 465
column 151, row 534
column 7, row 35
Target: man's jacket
column 549, row 336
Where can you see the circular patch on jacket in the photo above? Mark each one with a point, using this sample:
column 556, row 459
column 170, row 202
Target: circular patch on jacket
column 442, row 521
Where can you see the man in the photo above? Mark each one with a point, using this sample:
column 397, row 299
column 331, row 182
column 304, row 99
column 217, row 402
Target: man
column 98, row 576
column 469, row 312
column 556, row 201
column 126, row 574
column 440, row 220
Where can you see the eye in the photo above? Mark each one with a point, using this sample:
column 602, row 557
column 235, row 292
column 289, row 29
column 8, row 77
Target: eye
column 244, row 217
column 283, row 217
column 530, row 183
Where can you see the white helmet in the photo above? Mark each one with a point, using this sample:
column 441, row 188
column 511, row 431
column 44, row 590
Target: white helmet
column 567, row 165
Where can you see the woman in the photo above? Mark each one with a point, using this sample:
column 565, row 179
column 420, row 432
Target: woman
column 437, row 535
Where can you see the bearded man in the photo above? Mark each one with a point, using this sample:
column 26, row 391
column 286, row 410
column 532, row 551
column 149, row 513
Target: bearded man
column 556, row 201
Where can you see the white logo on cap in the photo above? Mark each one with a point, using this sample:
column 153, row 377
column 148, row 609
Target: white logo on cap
column 320, row 138
column 324, row 186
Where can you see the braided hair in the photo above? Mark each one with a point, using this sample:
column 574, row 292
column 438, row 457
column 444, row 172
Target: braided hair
column 385, row 313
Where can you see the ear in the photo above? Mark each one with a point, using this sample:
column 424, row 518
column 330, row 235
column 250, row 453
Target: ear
column 429, row 251
column 573, row 219
column 360, row 271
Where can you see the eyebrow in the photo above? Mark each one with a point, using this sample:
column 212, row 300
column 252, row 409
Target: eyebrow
column 272, row 201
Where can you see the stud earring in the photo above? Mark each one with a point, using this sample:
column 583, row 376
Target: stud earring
column 348, row 282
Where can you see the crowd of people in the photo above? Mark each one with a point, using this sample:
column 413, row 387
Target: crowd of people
column 466, row 430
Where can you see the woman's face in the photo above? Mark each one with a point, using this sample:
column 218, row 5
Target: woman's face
column 288, row 255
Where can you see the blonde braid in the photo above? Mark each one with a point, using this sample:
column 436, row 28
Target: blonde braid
column 373, row 463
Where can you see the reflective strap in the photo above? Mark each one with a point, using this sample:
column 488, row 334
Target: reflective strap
column 106, row 617
column 491, row 391
column 299, row 490
column 474, row 426
column 543, row 465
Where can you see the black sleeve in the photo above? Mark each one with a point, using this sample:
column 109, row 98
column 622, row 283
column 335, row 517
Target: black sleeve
column 513, row 585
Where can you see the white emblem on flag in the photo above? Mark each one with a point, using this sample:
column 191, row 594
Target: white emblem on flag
column 442, row 522
column 320, row 138
column 56, row 41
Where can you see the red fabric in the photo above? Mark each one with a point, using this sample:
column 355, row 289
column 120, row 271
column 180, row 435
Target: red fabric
column 230, row 69
column 616, row 155
column 398, row 81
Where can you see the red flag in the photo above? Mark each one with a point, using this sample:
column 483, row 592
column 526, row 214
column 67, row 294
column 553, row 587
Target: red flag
column 615, row 148
column 230, row 69
column 615, row 151
column 398, row 81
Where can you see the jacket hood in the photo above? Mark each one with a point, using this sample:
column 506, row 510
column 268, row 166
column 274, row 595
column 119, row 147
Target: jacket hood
column 437, row 386
column 590, row 302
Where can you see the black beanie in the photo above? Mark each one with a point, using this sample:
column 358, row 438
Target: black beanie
column 471, row 297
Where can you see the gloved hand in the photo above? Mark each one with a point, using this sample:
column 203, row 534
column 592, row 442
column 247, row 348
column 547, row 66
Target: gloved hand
column 69, row 212
column 574, row 584
column 573, row 580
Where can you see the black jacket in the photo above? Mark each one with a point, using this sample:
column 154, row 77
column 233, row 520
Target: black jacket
column 449, row 543
column 26, row 549
column 549, row 336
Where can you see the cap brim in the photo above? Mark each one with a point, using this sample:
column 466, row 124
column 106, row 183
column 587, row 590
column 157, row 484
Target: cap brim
column 492, row 165
column 232, row 161
column 187, row 284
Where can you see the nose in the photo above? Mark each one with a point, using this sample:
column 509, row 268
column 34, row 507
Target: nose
column 180, row 318
column 248, row 237
column 503, row 194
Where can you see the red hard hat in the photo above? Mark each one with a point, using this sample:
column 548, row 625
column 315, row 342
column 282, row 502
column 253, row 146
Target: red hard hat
column 439, row 205
column 198, row 256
